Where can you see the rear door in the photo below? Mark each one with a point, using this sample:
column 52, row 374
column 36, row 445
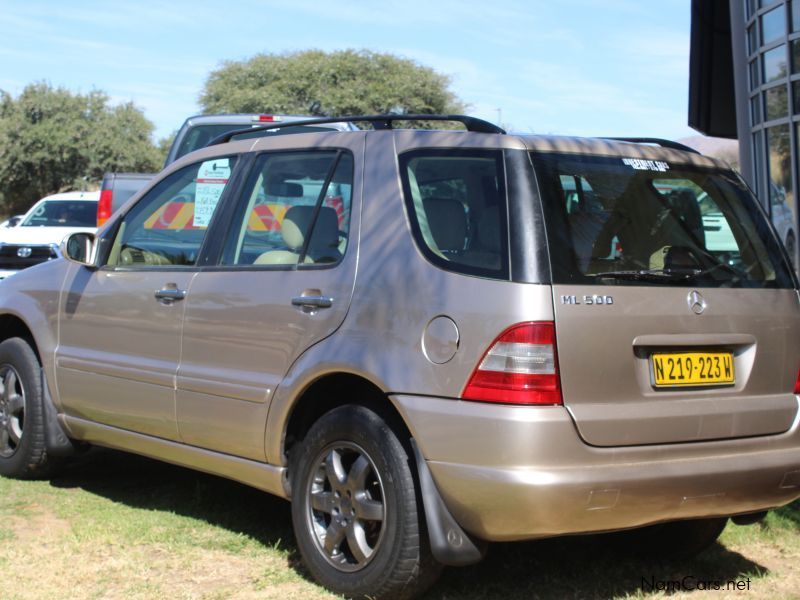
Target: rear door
column 676, row 317
column 284, row 281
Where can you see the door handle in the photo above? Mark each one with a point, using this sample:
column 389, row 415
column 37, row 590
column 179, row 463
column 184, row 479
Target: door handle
column 312, row 301
column 169, row 295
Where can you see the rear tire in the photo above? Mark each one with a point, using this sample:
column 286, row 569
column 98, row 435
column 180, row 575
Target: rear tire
column 23, row 450
column 356, row 518
column 676, row 539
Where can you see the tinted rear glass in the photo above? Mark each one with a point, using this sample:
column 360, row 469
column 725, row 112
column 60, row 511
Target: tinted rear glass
column 613, row 220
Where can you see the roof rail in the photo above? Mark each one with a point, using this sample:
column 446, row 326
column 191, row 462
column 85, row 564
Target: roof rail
column 378, row 122
column 658, row 141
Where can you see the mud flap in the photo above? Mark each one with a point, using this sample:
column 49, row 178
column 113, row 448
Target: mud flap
column 57, row 442
column 450, row 544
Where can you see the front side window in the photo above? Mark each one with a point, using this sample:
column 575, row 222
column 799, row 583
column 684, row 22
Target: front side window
column 456, row 200
column 613, row 220
column 167, row 226
column 295, row 210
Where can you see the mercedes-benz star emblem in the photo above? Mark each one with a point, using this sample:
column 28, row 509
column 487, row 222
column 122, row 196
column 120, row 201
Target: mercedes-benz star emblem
column 696, row 302
column 24, row 252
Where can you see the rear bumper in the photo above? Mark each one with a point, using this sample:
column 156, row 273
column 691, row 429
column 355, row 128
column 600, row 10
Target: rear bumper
column 509, row 473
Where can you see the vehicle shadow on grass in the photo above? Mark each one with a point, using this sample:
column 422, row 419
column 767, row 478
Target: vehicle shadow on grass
column 573, row 567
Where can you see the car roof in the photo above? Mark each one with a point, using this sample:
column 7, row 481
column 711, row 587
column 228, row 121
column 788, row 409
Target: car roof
column 657, row 150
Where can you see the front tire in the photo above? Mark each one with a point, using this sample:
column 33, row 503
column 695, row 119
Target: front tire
column 356, row 518
column 23, row 452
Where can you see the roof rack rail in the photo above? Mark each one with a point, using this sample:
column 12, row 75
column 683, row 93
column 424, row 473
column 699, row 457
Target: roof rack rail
column 378, row 121
column 657, row 141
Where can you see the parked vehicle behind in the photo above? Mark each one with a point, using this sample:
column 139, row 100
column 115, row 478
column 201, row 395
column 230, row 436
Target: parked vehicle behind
column 38, row 235
column 116, row 190
column 427, row 341
column 11, row 221
column 195, row 133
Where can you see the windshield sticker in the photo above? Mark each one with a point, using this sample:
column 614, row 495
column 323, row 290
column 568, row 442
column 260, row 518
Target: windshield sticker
column 646, row 165
column 211, row 180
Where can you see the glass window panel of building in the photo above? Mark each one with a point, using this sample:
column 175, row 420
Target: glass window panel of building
column 775, row 64
column 776, row 103
column 773, row 25
column 782, row 207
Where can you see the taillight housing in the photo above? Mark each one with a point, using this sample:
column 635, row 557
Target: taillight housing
column 104, row 207
column 797, row 383
column 520, row 367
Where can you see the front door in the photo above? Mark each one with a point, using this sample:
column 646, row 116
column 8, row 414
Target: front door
column 284, row 282
column 120, row 325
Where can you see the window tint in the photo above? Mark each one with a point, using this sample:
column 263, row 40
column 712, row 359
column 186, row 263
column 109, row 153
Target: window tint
column 63, row 213
column 167, row 226
column 288, row 215
column 640, row 222
column 456, row 200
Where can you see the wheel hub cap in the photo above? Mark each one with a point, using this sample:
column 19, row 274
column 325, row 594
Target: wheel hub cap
column 345, row 506
column 12, row 410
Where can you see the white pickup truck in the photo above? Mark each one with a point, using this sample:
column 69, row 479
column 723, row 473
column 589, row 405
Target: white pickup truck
column 37, row 237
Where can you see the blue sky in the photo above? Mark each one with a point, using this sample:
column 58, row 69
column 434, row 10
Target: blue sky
column 575, row 67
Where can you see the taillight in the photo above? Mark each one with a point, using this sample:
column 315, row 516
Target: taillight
column 520, row 367
column 267, row 119
column 797, row 383
column 104, row 207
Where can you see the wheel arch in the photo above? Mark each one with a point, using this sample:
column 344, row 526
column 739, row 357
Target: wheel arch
column 329, row 391
column 12, row 326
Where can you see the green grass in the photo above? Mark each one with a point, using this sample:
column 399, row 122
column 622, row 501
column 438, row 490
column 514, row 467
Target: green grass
column 119, row 526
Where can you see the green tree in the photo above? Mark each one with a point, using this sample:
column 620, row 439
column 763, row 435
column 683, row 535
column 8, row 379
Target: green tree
column 52, row 140
column 346, row 82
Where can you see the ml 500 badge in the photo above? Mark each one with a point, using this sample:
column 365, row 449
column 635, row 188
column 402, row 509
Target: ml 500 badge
column 587, row 300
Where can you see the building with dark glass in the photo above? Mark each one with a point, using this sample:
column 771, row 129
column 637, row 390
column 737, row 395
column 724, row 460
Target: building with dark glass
column 745, row 84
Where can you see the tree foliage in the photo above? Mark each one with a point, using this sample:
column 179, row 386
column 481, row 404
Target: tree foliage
column 52, row 140
column 347, row 82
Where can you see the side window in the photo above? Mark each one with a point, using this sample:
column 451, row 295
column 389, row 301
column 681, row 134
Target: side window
column 457, row 203
column 295, row 210
column 167, row 226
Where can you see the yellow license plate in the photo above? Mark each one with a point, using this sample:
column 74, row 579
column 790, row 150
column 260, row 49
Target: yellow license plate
column 692, row 369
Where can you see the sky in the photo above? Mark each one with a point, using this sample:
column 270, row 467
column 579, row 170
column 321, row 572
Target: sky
column 572, row 67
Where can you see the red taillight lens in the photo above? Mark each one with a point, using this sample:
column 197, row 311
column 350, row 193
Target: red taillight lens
column 267, row 119
column 797, row 383
column 104, row 207
column 520, row 367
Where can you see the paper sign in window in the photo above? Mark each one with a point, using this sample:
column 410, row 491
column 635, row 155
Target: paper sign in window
column 211, row 179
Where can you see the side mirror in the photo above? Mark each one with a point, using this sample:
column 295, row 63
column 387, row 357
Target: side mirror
column 80, row 248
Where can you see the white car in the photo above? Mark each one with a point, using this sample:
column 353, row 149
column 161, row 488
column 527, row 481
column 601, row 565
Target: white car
column 37, row 237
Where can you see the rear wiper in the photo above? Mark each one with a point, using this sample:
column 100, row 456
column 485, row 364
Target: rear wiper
column 670, row 275
column 646, row 275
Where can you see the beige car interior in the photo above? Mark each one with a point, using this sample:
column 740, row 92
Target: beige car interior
column 323, row 246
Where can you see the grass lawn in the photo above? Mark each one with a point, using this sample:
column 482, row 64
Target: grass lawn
column 119, row 526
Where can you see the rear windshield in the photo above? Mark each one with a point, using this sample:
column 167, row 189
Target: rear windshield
column 614, row 220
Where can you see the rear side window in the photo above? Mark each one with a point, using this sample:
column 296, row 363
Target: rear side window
column 456, row 201
column 296, row 210
column 613, row 220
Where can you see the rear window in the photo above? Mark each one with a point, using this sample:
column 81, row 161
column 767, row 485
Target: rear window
column 613, row 220
column 456, row 203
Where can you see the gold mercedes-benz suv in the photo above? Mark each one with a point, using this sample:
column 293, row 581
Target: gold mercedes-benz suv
column 427, row 341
